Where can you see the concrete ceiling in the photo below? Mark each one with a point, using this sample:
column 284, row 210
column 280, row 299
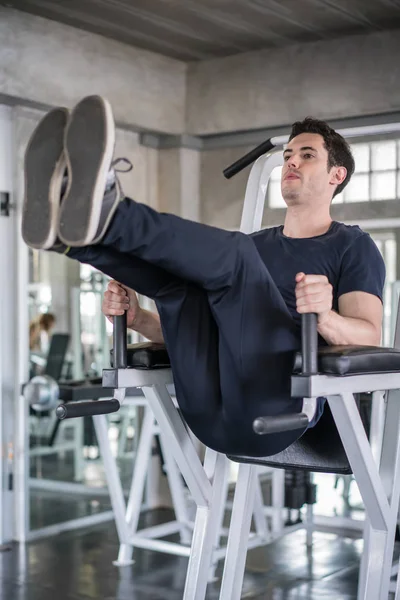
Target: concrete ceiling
column 202, row 29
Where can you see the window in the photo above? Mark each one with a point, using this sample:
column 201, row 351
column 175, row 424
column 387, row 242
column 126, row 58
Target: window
column 383, row 156
column 383, row 185
column 357, row 190
column 361, row 154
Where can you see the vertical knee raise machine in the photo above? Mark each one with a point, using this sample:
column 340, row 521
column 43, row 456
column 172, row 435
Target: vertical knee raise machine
column 338, row 443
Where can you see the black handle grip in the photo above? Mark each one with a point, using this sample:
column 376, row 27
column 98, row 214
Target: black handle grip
column 309, row 344
column 309, row 350
column 266, row 425
column 87, row 409
column 247, row 159
column 120, row 360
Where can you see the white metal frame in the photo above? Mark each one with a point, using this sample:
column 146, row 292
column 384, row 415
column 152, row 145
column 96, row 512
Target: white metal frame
column 378, row 481
column 207, row 484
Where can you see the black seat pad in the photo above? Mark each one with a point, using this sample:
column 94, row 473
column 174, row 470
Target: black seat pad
column 147, row 355
column 350, row 360
column 320, row 449
column 332, row 360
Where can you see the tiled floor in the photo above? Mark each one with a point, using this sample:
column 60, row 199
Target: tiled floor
column 78, row 565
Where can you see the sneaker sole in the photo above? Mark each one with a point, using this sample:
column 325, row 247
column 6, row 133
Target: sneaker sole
column 89, row 147
column 44, row 167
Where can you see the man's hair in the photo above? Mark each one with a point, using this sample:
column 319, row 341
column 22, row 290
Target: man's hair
column 339, row 153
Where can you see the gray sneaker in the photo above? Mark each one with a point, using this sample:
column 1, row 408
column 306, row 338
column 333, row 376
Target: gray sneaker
column 86, row 209
column 44, row 168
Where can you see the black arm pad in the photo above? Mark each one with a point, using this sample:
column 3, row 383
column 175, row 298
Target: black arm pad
column 266, row 425
column 87, row 409
column 247, row 159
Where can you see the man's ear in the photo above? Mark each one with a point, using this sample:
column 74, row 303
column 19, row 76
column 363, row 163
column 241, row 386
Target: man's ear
column 338, row 175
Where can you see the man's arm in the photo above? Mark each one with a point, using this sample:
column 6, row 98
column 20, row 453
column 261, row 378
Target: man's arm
column 119, row 299
column 358, row 322
column 148, row 324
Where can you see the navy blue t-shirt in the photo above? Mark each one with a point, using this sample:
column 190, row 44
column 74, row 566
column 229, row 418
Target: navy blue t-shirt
column 347, row 256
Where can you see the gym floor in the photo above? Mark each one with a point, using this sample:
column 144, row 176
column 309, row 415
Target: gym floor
column 78, row 565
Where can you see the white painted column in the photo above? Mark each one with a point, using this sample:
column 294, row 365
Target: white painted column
column 8, row 320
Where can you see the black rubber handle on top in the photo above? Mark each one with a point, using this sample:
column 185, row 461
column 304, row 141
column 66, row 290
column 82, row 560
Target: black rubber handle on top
column 87, row 409
column 247, row 159
column 309, row 349
column 120, row 360
column 309, row 344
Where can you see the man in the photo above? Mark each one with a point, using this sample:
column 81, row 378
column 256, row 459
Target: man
column 229, row 304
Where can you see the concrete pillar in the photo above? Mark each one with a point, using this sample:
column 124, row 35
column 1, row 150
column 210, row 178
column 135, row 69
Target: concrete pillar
column 179, row 182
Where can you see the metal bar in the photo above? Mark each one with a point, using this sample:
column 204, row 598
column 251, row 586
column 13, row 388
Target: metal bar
column 50, row 485
column 119, row 342
column 323, row 385
column 137, row 486
column 358, row 450
column 181, row 445
column 157, row 531
column 219, row 519
column 46, row 451
column 161, row 546
column 139, row 378
column 207, row 520
column 71, row 525
column 278, row 142
column 232, row 579
column 309, row 344
column 350, row 132
column 375, row 554
column 260, row 520
column 390, row 476
column 256, row 190
column 112, row 476
column 247, row 159
column 79, row 462
column 278, row 500
column 177, row 490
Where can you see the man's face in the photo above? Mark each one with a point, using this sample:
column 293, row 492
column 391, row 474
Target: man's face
column 305, row 176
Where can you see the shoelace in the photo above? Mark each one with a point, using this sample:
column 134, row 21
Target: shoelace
column 122, row 160
column 116, row 170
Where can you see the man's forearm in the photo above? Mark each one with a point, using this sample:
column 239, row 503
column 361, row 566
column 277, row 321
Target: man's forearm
column 148, row 325
column 338, row 330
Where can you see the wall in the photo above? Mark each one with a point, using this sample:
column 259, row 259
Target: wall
column 357, row 75
column 48, row 63
column 222, row 199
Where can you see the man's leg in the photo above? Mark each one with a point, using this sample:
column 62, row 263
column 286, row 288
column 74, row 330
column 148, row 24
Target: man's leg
column 204, row 255
column 256, row 336
column 225, row 372
column 146, row 279
column 190, row 333
column 256, row 341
